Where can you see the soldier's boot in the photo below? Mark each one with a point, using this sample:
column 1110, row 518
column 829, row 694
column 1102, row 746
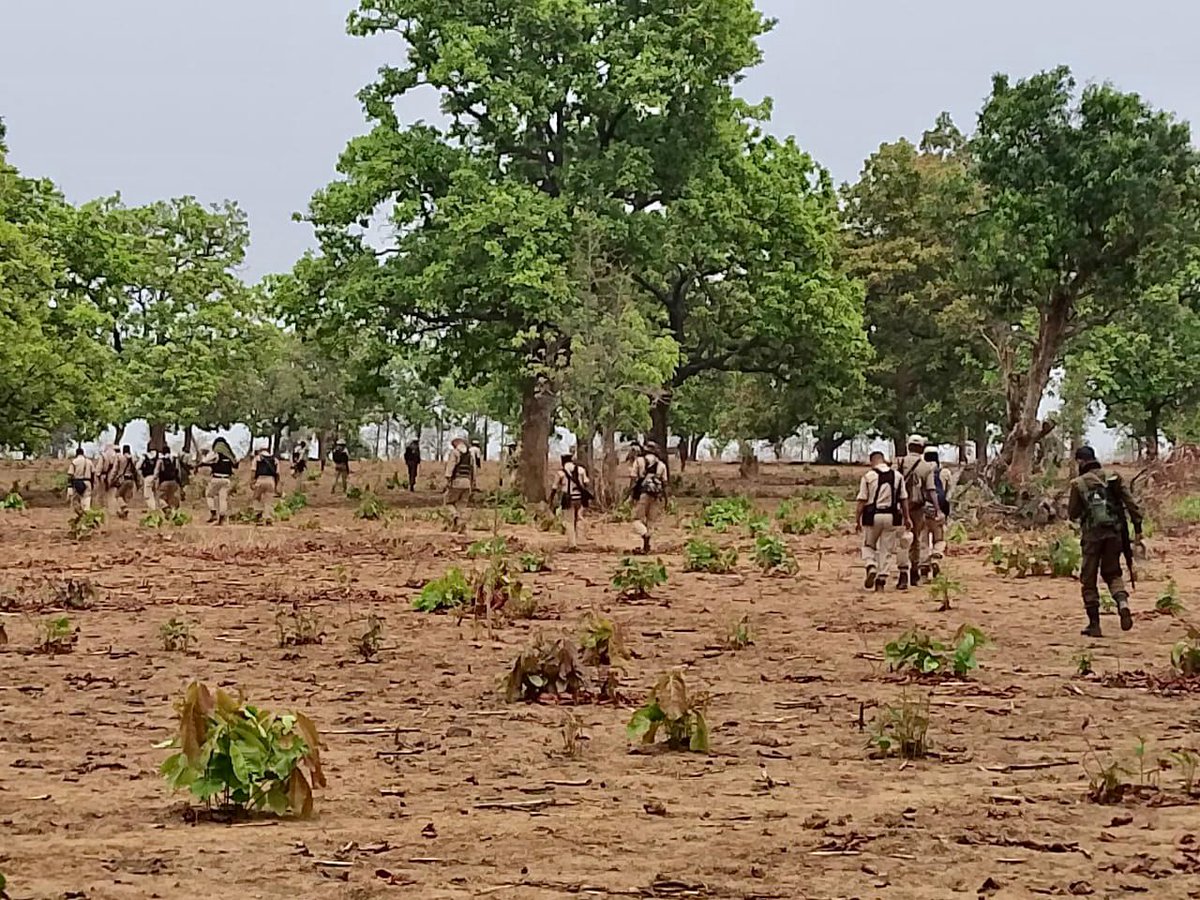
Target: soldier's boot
column 935, row 569
column 880, row 584
column 212, row 516
column 221, row 520
column 869, row 581
column 1122, row 600
column 646, row 543
column 925, row 570
column 915, row 578
column 902, row 582
column 1093, row 626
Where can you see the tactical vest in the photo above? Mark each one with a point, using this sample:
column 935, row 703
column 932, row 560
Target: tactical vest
column 223, row 467
column 464, row 466
column 168, row 469
column 892, row 508
column 148, row 465
column 264, row 467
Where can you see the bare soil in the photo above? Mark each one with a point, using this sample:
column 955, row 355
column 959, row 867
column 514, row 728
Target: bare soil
column 439, row 789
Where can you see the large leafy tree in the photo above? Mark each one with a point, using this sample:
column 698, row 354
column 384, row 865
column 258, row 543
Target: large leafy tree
column 552, row 107
column 54, row 360
column 1089, row 197
column 742, row 270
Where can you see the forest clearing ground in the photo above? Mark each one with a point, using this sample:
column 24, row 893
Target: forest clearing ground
column 438, row 788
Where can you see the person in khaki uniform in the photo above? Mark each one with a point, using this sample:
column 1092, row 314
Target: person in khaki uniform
column 460, row 482
column 341, row 466
column 918, row 484
column 146, row 469
column 80, row 476
column 166, row 480
column 266, row 485
column 882, row 519
column 648, row 481
column 572, row 494
column 105, row 482
column 221, row 462
column 937, row 510
column 1101, row 504
column 125, row 480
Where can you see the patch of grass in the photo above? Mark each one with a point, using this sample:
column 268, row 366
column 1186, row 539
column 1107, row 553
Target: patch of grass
column 727, row 512
column 443, row 594
column 1057, row 557
column 1168, row 601
column 701, row 555
column 371, row 508
column 1187, row 509
column 13, row 500
column 773, row 556
column 825, row 519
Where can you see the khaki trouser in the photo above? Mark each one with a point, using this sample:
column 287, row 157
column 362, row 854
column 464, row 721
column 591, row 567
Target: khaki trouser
column 169, row 495
column 918, row 551
column 100, row 494
column 217, row 495
column 646, row 510
column 123, row 494
column 456, row 505
column 80, row 502
column 936, row 529
column 1101, row 556
column 264, row 498
column 148, row 488
column 880, row 542
column 342, row 477
column 572, row 517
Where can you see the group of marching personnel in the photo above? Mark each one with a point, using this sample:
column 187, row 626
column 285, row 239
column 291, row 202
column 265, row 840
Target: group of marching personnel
column 113, row 478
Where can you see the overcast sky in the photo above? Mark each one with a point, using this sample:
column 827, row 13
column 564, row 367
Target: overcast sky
column 252, row 100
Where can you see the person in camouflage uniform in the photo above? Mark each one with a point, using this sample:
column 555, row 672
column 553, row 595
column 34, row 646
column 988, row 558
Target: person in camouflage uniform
column 1100, row 502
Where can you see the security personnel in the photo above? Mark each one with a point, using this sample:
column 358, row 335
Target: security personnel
column 299, row 463
column 221, row 462
column 266, row 484
column 883, row 520
column 648, row 482
column 80, row 476
column 572, row 493
column 167, row 475
column 124, row 479
column 460, row 482
column 918, row 484
column 146, row 470
column 341, row 466
column 412, row 461
column 1100, row 503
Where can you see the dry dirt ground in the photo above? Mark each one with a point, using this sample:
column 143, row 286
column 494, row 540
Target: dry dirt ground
column 420, row 748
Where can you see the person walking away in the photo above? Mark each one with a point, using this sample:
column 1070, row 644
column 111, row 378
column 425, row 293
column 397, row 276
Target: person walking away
column 166, row 480
column 104, row 482
column 341, row 466
column 918, row 485
column 221, row 462
column 412, row 461
column 648, row 481
column 266, row 485
column 571, row 493
column 883, row 520
column 460, row 482
column 937, row 514
column 1102, row 505
column 299, row 463
column 81, row 473
column 126, row 479
column 510, row 459
column 146, row 469
column 477, row 457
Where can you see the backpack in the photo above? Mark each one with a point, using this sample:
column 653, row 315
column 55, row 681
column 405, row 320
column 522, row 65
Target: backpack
column 873, row 508
column 168, row 469
column 652, row 483
column 148, row 464
column 939, row 486
column 585, row 496
column 1098, row 511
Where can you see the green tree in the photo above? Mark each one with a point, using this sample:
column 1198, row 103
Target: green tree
column 1090, row 197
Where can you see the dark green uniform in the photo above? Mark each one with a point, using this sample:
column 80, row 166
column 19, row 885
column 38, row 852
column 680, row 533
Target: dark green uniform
column 1098, row 502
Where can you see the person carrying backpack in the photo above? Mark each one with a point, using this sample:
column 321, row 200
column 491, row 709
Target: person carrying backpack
column 648, row 480
column 882, row 518
column 572, row 493
column 167, row 479
column 937, row 511
column 1103, row 506
column 146, row 470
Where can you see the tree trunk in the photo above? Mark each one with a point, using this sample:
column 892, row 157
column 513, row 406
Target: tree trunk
column 684, row 447
column 158, row 434
column 118, row 433
column 485, row 440
column 585, row 448
column 827, row 448
column 189, row 440
column 694, row 449
column 537, row 410
column 660, row 420
column 1152, row 432
column 276, row 437
column 962, row 445
column 609, row 489
column 980, row 432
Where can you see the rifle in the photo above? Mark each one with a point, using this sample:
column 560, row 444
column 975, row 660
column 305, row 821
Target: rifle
column 1126, row 541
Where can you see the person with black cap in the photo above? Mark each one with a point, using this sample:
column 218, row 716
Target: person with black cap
column 221, row 462
column 571, row 490
column 341, row 466
column 648, row 480
column 881, row 516
column 460, row 482
column 1100, row 502
column 125, row 479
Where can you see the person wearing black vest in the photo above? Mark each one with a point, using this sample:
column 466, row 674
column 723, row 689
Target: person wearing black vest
column 341, row 466
column 412, row 461
column 166, row 479
column 572, row 494
column 882, row 517
column 146, row 470
column 221, row 462
column 266, row 484
column 460, row 482
column 125, row 479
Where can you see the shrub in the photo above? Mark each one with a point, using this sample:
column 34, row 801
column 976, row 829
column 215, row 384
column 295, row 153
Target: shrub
column 449, row 592
column 12, row 500
column 944, row 590
column 298, row 626
column 371, row 508
column 773, row 556
column 957, row 534
column 243, row 757
column 902, row 730
column 1187, row 508
column 295, row 501
column 826, row 519
column 670, row 708
column 721, row 515
column 546, row 666
column 739, row 635
column 497, row 586
column 1168, row 601
column 534, row 562
column 1185, row 655
column 916, row 651
column 74, row 593
column 86, row 524
column 603, row 641
column 368, row 641
column 1058, row 557
column 176, row 635
column 354, row 492
column 158, row 518
column 705, row 556
column 56, row 636
column 634, row 579
column 493, row 546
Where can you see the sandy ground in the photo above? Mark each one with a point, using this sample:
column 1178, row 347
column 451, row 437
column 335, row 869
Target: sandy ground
column 420, row 746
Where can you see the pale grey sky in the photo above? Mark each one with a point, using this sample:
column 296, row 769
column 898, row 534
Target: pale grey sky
column 252, row 100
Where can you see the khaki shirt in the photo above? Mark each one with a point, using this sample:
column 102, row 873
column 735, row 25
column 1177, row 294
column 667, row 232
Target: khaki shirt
column 564, row 484
column 918, row 472
column 81, row 469
column 452, row 462
column 644, row 465
column 870, row 483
